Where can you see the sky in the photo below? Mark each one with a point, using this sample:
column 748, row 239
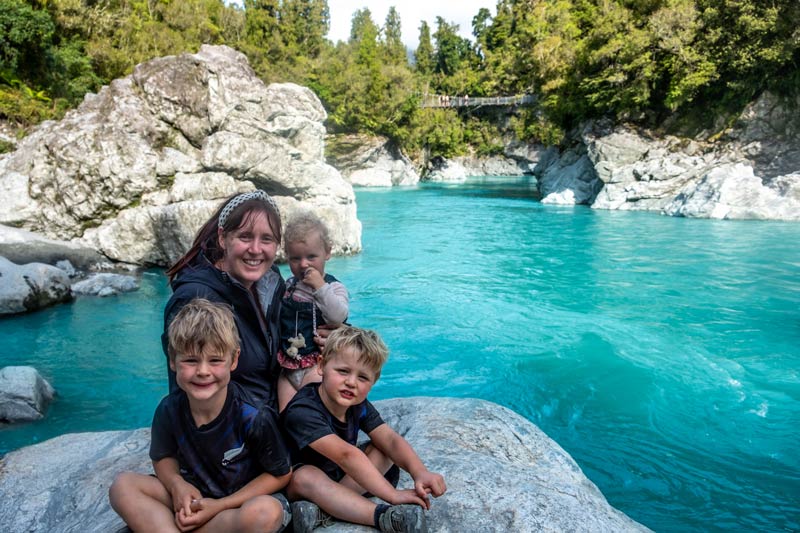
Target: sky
column 412, row 12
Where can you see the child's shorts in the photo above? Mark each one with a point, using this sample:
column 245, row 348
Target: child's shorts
column 392, row 475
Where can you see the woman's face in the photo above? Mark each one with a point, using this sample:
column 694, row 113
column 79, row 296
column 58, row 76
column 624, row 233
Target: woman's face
column 249, row 249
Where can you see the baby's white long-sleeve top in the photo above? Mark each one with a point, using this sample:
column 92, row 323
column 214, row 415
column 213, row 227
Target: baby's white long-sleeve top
column 332, row 300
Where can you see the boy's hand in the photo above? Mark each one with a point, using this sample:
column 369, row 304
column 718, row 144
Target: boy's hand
column 201, row 511
column 429, row 483
column 410, row 496
column 182, row 493
column 313, row 278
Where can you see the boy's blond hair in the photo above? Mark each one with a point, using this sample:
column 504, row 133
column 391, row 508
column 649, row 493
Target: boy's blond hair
column 200, row 324
column 300, row 227
column 372, row 351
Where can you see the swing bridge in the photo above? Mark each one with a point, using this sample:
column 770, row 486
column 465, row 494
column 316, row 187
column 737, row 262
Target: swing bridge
column 444, row 100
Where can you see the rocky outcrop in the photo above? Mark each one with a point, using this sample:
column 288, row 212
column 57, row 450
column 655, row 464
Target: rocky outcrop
column 21, row 246
column 369, row 161
column 446, row 170
column 496, row 165
column 105, row 284
column 137, row 168
column 752, row 171
column 24, row 394
column 567, row 178
column 503, row 474
column 30, row 287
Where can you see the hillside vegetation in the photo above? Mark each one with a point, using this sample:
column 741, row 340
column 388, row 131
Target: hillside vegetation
column 682, row 64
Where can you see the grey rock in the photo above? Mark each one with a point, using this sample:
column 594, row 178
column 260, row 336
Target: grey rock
column 733, row 191
column 24, row 394
column 137, row 168
column 67, row 267
column 22, row 246
column 105, row 284
column 750, row 171
column 446, row 170
column 371, row 161
column 567, row 178
column 30, row 287
column 493, row 166
column 503, row 474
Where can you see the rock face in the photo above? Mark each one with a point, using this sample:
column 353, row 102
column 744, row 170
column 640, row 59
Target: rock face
column 497, row 165
column 367, row 161
column 503, row 474
column 446, row 170
column 105, row 284
column 30, row 287
column 24, row 394
column 137, row 168
column 752, row 171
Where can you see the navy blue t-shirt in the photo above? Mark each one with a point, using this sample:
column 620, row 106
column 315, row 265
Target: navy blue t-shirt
column 306, row 419
column 224, row 455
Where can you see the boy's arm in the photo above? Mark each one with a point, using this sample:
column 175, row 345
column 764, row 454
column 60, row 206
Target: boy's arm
column 357, row 465
column 204, row 509
column 181, row 491
column 403, row 455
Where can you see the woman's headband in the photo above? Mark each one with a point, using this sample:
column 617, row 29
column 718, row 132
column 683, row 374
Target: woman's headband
column 236, row 201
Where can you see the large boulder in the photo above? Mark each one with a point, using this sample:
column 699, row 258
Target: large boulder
column 105, row 284
column 22, row 246
column 503, row 474
column 30, row 287
column 24, row 394
column 370, row 161
column 137, row 168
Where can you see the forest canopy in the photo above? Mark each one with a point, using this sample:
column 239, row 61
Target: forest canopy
column 646, row 61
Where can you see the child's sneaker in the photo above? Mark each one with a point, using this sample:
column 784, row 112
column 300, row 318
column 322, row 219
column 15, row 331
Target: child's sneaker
column 307, row 516
column 287, row 509
column 403, row 519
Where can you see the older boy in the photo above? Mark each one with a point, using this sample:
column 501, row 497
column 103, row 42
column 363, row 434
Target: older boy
column 216, row 457
column 322, row 423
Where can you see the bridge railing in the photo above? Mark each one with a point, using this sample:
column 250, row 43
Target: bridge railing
column 444, row 100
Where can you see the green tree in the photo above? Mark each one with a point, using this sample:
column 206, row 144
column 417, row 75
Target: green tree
column 394, row 49
column 304, row 24
column 424, row 56
column 25, row 36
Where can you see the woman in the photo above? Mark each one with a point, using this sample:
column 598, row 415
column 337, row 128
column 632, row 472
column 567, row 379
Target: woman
column 231, row 261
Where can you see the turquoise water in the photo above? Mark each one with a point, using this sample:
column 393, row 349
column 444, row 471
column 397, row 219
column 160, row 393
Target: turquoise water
column 661, row 353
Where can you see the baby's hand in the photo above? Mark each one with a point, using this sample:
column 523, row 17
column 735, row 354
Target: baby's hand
column 430, row 483
column 313, row 278
column 410, row 496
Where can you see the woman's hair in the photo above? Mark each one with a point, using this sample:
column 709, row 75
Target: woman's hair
column 202, row 325
column 371, row 350
column 300, row 227
column 244, row 207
